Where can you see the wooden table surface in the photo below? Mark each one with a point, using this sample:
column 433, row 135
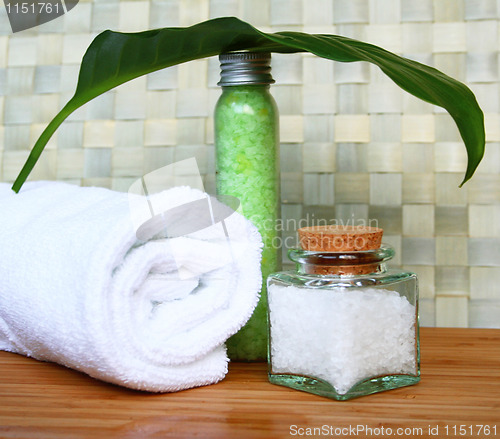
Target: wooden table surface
column 459, row 392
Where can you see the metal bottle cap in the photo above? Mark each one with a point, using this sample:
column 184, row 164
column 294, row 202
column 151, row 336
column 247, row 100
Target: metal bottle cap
column 245, row 68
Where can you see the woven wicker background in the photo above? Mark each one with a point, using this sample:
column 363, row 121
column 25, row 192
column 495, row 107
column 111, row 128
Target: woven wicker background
column 354, row 146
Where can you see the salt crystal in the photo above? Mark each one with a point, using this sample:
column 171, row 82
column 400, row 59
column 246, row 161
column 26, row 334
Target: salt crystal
column 341, row 335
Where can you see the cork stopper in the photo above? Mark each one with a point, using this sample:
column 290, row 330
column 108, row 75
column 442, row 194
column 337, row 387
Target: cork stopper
column 342, row 239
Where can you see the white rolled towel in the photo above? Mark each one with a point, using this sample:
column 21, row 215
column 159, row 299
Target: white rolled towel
column 77, row 287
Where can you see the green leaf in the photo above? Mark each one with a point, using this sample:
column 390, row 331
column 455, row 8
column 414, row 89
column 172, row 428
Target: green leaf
column 114, row 58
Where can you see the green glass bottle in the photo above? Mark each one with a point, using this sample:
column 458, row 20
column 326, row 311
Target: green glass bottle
column 247, row 167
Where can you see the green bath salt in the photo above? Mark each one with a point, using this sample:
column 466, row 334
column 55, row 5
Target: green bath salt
column 247, row 167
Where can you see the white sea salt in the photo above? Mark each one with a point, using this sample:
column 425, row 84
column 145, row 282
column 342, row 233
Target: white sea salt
column 342, row 336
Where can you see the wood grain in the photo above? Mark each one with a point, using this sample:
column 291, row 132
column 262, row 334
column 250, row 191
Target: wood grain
column 460, row 387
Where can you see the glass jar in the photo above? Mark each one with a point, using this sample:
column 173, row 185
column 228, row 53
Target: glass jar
column 247, row 167
column 343, row 325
